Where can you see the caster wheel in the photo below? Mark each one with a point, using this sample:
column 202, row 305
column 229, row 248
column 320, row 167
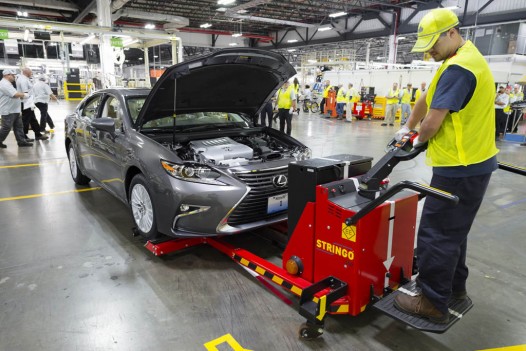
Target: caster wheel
column 309, row 331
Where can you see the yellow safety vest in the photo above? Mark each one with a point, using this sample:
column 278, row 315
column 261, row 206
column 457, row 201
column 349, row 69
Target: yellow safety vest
column 417, row 94
column 393, row 93
column 465, row 137
column 296, row 89
column 406, row 96
column 352, row 95
column 520, row 97
column 326, row 91
column 341, row 98
column 284, row 100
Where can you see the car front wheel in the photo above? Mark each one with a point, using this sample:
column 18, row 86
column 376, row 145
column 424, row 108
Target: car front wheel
column 77, row 175
column 142, row 207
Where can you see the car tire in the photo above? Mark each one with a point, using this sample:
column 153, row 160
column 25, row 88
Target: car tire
column 141, row 207
column 77, row 175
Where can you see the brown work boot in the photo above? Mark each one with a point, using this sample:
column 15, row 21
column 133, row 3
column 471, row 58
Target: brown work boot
column 420, row 306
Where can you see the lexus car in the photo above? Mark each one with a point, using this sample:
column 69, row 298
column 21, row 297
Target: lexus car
column 185, row 155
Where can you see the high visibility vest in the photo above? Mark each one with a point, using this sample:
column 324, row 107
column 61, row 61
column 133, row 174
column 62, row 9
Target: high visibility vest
column 465, row 137
column 393, row 93
column 417, row 94
column 352, row 95
column 341, row 98
column 406, row 96
column 326, row 91
column 514, row 97
column 296, row 89
column 284, row 100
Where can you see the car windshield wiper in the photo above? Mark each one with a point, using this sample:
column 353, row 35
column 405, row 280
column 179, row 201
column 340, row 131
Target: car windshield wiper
column 211, row 126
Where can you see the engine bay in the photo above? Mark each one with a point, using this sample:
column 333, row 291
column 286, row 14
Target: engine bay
column 235, row 150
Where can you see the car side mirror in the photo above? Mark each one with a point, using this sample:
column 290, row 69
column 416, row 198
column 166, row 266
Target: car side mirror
column 106, row 124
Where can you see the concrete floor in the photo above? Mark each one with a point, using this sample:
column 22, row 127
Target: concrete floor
column 72, row 277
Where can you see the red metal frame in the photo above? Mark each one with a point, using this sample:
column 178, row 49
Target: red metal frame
column 369, row 256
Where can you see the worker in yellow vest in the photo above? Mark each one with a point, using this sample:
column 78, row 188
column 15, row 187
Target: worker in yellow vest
column 515, row 95
column 419, row 91
column 341, row 100
column 286, row 100
column 405, row 101
column 393, row 96
column 325, row 95
column 352, row 97
column 458, row 123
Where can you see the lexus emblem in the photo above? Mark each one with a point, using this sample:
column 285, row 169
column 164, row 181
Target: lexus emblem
column 280, row 181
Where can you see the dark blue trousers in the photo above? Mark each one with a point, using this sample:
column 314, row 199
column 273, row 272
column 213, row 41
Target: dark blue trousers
column 266, row 115
column 285, row 118
column 442, row 237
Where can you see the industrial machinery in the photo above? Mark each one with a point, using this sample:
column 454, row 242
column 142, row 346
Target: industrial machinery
column 350, row 239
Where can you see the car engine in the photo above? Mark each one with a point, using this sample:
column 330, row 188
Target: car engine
column 234, row 151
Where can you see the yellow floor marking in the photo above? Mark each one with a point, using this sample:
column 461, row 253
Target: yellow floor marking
column 23, row 197
column 32, row 164
column 510, row 348
column 227, row 338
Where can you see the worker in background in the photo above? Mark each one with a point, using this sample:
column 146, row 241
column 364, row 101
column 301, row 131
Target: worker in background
column 352, row 97
column 24, row 85
column 501, row 101
column 393, row 96
column 286, row 100
column 266, row 115
column 326, row 89
column 43, row 95
column 10, row 110
column 341, row 100
column 405, row 101
column 515, row 95
column 307, row 97
column 459, row 126
column 420, row 90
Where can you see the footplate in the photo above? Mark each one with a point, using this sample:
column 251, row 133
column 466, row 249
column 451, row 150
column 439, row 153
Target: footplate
column 313, row 308
column 457, row 308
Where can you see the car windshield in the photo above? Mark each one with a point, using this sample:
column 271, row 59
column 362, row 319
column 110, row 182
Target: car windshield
column 187, row 121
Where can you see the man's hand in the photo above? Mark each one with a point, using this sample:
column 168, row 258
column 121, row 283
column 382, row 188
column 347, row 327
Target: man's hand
column 417, row 143
column 400, row 134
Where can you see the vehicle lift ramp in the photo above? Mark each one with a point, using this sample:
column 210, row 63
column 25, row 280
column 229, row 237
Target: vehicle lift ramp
column 352, row 247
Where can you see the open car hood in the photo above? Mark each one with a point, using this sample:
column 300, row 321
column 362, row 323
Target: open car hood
column 229, row 80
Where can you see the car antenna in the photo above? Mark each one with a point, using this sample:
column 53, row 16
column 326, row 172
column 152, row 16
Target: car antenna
column 174, row 114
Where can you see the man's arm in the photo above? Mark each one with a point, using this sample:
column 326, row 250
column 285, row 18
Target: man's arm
column 431, row 124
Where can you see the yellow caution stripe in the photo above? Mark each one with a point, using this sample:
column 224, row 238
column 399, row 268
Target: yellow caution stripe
column 33, row 196
column 262, row 271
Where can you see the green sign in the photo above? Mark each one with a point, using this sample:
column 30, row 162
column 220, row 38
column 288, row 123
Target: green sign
column 4, row 34
column 116, row 42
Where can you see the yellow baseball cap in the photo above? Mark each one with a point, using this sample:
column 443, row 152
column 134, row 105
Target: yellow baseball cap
column 431, row 26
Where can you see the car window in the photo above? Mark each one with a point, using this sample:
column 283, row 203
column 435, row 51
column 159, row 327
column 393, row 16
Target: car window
column 112, row 109
column 134, row 106
column 90, row 107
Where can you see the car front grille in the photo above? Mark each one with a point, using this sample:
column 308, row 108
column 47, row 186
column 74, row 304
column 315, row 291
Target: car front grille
column 254, row 205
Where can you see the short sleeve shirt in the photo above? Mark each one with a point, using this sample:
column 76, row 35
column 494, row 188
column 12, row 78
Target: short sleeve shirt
column 8, row 103
column 42, row 91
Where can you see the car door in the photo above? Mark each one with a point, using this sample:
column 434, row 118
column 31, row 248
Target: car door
column 87, row 112
column 111, row 147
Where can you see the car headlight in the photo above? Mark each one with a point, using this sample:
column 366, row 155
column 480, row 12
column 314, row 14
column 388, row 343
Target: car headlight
column 302, row 154
column 192, row 172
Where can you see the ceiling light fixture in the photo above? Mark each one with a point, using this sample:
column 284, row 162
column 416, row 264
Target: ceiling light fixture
column 233, row 44
column 225, row 2
column 22, row 13
column 221, row 9
column 149, row 26
column 291, row 50
column 337, row 14
column 236, row 35
column 292, row 41
column 323, row 29
column 205, row 25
